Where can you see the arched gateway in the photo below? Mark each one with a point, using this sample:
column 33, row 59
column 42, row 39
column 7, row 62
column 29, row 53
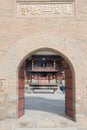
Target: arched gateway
column 69, row 79
column 11, row 69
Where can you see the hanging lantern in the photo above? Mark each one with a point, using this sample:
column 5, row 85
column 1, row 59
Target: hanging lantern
column 32, row 76
column 62, row 61
column 54, row 76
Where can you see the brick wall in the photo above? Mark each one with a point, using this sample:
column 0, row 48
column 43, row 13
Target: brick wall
column 19, row 37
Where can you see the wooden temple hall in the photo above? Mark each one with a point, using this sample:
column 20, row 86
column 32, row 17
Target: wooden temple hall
column 44, row 70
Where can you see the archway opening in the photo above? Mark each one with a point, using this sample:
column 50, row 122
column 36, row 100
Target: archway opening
column 47, row 71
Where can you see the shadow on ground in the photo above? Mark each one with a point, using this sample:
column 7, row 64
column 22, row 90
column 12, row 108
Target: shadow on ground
column 55, row 106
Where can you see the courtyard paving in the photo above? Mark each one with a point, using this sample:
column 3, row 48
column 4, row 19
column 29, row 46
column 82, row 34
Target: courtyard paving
column 45, row 110
column 69, row 128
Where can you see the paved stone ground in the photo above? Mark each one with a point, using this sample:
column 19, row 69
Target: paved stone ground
column 69, row 128
column 47, row 111
column 45, row 106
column 44, row 110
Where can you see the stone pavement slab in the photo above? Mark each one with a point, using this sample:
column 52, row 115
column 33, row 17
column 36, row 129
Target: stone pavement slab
column 67, row 128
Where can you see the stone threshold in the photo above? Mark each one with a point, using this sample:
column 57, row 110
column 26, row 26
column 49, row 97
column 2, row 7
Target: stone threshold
column 67, row 128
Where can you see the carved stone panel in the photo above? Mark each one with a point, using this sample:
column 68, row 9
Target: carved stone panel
column 2, row 92
column 45, row 9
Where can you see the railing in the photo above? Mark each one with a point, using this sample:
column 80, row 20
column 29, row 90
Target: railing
column 43, row 82
column 43, row 69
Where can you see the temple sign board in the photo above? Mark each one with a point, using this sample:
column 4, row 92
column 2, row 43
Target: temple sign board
column 45, row 9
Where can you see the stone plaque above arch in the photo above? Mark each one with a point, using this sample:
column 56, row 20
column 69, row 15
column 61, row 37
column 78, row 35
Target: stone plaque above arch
column 58, row 8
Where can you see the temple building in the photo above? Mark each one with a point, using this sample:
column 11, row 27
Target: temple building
column 44, row 71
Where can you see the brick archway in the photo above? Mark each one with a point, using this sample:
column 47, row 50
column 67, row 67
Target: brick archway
column 11, row 63
column 69, row 91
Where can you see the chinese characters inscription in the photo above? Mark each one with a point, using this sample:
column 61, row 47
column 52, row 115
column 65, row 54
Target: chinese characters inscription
column 35, row 10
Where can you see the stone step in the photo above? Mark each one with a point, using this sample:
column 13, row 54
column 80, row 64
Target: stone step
column 67, row 128
column 44, row 124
